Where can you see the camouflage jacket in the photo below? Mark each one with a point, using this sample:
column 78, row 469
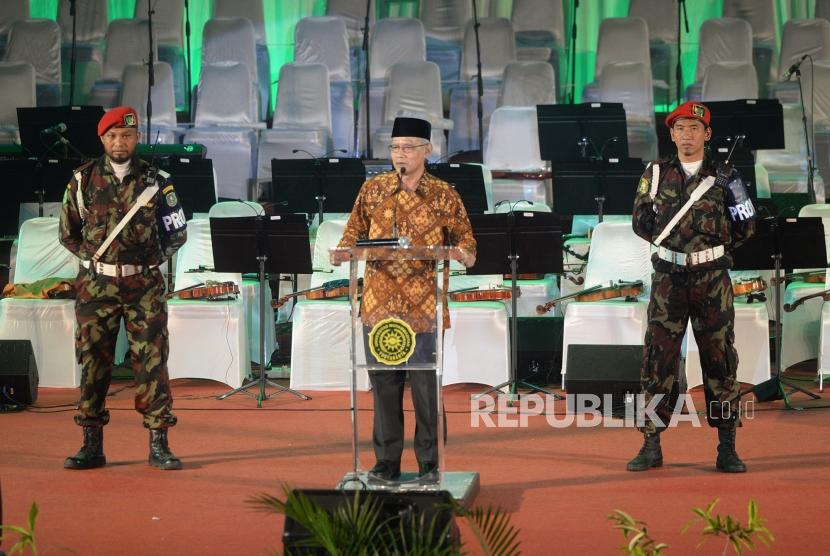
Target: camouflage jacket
column 706, row 224
column 152, row 236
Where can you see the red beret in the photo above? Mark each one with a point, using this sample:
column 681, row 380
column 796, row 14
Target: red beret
column 120, row 116
column 690, row 109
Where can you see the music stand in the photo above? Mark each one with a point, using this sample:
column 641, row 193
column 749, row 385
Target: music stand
column 81, row 133
column 316, row 185
column 467, row 180
column 277, row 243
column 193, row 180
column 596, row 186
column 504, row 239
column 781, row 243
column 570, row 132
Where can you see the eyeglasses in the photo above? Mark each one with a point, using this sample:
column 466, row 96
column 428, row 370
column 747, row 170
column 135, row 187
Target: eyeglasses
column 405, row 148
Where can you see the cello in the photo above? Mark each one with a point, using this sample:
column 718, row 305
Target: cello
column 597, row 293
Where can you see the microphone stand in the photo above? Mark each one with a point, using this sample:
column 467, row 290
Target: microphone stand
column 73, row 54
column 810, row 166
column 678, row 69
column 366, row 84
column 480, row 82
column 151, row 73
column 570, row 86
column 187, row 46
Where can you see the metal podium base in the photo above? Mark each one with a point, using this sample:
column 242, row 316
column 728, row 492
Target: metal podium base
column 463, row 486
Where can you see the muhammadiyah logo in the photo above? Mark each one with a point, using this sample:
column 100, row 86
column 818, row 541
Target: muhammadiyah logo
column 392, row 341
column 129, row 120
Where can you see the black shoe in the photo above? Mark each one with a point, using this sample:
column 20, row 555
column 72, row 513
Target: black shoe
column 386, row 470
column 91, row 454
column 728, row 460
column 650, row 454
column 160, row 454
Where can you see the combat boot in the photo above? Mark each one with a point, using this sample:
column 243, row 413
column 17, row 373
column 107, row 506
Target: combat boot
column 91, row 454
column 160, row 454
column 728, row 460
column 650, row 454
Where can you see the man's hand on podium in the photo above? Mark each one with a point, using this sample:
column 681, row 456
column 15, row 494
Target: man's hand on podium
column 463, row 256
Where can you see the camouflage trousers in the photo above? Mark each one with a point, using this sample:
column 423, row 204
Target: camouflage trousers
column 102, row 301
column 706, row 299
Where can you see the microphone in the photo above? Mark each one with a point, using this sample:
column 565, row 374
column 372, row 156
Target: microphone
column 794, row 68
column 57, row 128
column 583, row 144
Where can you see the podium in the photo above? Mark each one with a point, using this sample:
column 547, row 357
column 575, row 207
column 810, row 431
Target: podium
column 397, row 340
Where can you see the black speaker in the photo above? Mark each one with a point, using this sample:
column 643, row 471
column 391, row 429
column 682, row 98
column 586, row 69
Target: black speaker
column 539, row 358
column 18, row 372
column 396, row 507
column 604, row 369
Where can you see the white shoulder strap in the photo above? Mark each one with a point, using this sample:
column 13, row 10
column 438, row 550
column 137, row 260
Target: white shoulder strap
column 655, row 180
column 701, row 190
column 142, row 200
column 79, row 195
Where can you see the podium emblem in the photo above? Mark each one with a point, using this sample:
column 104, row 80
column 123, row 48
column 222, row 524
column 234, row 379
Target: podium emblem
column 392, row 341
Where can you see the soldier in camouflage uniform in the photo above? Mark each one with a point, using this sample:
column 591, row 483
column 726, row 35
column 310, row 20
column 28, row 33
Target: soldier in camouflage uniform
column 122, row 281
column 691, row 280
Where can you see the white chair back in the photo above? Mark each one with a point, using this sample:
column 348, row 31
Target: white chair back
column 622, row 39
column 727, row 39
column 395, row 40
column 414, row 90
column 38, row 42
column 804, row 36
column 92, row 18
column 40, row 254
column 513, row 140
column 660, row 17
column 13, row 10
column 760, row 14
column 304, row 98
column 17, row 81
column 230, row 39
column 324, row 40
column 353, row 14
column 617, row 253
column 444, row 20
column 222, row 91
column 630, row 84
column 249, row 9
column 498, row 48
column 134, row 93
column 168, row 20
column 128, row 41
column 730, row 81
column 821, row 211
column 527, row 84
column 539, row 15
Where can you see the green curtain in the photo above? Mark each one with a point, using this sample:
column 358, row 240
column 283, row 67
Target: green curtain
column 282, row 15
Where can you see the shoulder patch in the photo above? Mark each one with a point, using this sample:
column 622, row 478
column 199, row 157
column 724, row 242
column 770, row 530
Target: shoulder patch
column 168, row 189
column 642, row 187
column 171, row 199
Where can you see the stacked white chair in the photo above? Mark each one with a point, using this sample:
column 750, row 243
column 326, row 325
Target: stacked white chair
column 92, row 19
column 168, row 22
column 498, row 49
column 302, row 121
column 800, row 37
column 630, row 84
column 134, row 93
column 353, row 14
column 128, row 41
column 727, row 39
column 621, row 40
column 444, row 22
column 729, row 81
column 761, row 16
column 527, row 84
column 13, row 10
column 325, row 40
column 17, row 81
column 38, row 42
column 539, row 26
column 48, row 323
column 661, row 20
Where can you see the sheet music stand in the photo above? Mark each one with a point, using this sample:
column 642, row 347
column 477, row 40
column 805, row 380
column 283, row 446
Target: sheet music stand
column 467, row 180
column 596, row 186
column 782, row 243
column 503, row 240
column 193, row 180
column 316, row 185
column 81, row 129
column 274, row 244
column 562, row 128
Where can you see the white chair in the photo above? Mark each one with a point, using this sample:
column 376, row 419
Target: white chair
column 325, row 40
column 801, row 327
column 539, row 26
column 727, row 39
column 13, row 10
column 302, row 121
column 134, row 84
column 661, row 20
column 233, row 40
column 48, row 323
column 621, row 40
column 617, row 253
column 353, row 14
column 92, row 20
column 630, row 84
column 168, row 24
column 444, row 22
column 414, row 91
column 127, row 42
column 527, row 84
column 252, row 10
column 816, row 82
column 761, row 16
column 17, row 81
column 38, row 42
column 497, row 50
column 822, row 9
column 207, row 339
column 729, row 81
column 512, row 148
column 800, row 37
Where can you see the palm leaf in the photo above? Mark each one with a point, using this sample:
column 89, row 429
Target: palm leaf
column 493, row 531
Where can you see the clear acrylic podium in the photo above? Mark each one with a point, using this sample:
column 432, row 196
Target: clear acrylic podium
column 393, row 344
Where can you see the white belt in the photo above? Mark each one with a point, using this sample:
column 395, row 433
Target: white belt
column 117, row 270
column 691, row 259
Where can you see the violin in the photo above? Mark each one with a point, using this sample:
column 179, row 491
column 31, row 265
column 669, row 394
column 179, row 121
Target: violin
column 525, row 276
column 597, row 293
column 790, row 307
column 328, row 290
column 211, row 291
column 750, row 286
column 492, row 294
column 812, row 277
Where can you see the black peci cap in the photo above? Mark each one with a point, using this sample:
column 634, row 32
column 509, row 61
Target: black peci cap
column 412, row 127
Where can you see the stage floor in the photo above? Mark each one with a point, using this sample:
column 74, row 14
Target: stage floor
column 558, row 484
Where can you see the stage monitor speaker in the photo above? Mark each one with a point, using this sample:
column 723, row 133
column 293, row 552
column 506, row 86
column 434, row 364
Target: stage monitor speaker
column 394, row 507
column 604, row 369
column 18, row 372
column 539, row 360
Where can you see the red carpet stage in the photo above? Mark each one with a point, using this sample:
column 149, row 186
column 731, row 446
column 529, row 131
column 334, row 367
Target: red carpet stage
column 558, row 484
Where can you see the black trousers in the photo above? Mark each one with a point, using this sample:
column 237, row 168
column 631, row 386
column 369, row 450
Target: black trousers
column 387, row 393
